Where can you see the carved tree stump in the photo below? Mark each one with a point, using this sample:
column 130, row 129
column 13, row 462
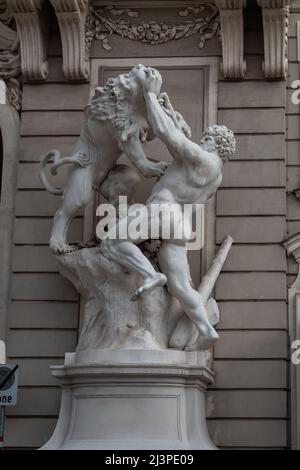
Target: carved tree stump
column 111, row 319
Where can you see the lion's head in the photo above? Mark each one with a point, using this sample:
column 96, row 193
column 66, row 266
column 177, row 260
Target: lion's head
column 121, row 102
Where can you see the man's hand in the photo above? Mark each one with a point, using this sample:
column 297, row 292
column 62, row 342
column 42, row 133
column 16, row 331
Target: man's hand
column 153, row 81
column 164, row 101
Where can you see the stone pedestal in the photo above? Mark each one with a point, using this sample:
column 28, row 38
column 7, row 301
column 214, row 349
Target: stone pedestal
column 133, row 399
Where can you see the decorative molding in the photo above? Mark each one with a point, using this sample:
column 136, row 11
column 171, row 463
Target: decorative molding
column 32, row 38
column 10, row 59
column 275, row 14
column 149, row 3
column 103, row 22
column 292, row 246
column 298, row 39
column 10, row 131
column 232, row 32
column 71, row 16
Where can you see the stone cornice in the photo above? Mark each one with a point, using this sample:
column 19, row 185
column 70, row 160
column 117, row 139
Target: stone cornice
column 78, row 31
column 32, row 38
column 232, row 31
column 275, row 14
column 71, row 16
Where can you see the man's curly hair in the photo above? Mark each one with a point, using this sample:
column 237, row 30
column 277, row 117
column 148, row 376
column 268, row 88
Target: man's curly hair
column 225, row 140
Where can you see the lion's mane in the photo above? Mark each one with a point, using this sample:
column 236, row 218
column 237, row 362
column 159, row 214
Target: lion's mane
column 110, row 104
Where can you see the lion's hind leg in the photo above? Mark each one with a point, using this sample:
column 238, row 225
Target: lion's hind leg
column 58, row 240
column 76, row 196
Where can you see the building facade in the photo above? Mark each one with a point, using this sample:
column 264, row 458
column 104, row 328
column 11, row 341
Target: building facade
column 234, row 62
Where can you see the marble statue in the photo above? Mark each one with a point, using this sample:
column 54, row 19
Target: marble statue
column 115, row 122
column 192, row 178
column 144, row 353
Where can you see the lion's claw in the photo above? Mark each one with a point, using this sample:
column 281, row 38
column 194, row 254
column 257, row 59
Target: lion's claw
column 155, row 169
column 61, row 248
column 81, row 159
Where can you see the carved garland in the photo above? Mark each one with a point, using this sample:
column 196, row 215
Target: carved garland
column 106, row 21
column 10, row 57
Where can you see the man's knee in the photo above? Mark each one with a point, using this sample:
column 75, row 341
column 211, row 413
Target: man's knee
column 177, row 288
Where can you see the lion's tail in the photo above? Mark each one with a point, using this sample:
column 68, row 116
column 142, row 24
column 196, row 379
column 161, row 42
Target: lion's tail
column 42, row 172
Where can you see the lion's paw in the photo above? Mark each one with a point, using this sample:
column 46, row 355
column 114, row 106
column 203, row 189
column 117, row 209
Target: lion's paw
column 82, row 159
column 62, row 248
column 156, row 169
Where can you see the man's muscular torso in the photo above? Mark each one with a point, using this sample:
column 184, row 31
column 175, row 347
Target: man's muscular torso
column 177, row 185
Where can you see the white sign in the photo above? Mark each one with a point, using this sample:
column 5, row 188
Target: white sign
column 2, row 352
column 8, row 384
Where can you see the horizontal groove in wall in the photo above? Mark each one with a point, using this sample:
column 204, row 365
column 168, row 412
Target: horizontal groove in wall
column 255, row 359
column 246, row 108
column 55, row 387
column 31, row 416
column 43, row 299
column 231, row 418
column 51, row 110
column 249, row 160
column 273, row 214
column 265, row 271
column 18, row 217
column 243, row 244
column 12, row 328
column 253, row 300
column 243, row 187
column 241, row 389
column 16, row 358
column 233, row 330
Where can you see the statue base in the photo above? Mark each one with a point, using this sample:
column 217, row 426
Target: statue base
column 132, row 399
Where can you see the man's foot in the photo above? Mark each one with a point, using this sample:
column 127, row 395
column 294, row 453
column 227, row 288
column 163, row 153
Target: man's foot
column 158, row 280
column 204, row 341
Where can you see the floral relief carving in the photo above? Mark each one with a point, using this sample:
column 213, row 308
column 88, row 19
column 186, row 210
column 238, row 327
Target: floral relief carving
column 106, row 21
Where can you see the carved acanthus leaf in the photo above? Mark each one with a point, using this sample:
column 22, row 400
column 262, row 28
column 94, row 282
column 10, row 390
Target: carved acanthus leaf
column 106, row 21
column 71, row 16
column 275, row 14
column 32, row 39
column 232, row 31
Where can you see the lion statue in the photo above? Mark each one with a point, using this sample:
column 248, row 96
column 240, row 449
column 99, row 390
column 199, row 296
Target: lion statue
column 115, row 123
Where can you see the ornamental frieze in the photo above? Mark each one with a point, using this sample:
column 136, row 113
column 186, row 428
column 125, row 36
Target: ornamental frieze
column 202, row 20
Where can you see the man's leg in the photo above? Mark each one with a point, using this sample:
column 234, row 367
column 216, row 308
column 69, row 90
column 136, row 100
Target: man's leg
column 126, row 253
column 174, row 264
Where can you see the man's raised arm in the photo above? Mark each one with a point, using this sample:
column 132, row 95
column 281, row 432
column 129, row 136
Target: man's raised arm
column 161, row 124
